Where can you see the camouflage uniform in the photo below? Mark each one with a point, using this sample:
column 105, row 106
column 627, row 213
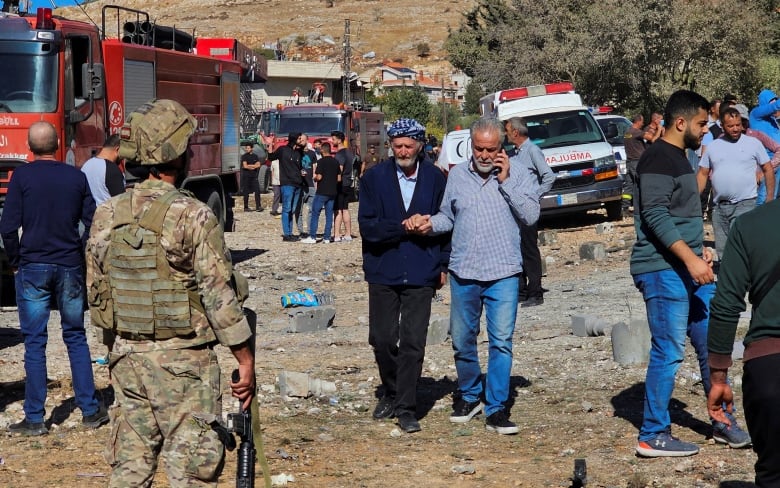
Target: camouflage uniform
column 159, row 385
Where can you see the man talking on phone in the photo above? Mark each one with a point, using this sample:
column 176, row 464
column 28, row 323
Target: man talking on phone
column 484, row 204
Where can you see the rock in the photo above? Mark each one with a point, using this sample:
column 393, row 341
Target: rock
column 593, row 250
column 292, row 384
column 311, row 319
column 463, row 469
column 631, row 342
column 547, row 237
column 438, row 330
column 605, row 228
column 587, row 325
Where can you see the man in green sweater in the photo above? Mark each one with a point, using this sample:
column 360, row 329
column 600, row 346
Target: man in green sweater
column 750, row 264
column 674, row 272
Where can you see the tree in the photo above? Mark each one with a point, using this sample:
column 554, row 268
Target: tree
column 443, row 112
column 411, row 102
column 423, row 49
column 658, row 46
column 471, row 98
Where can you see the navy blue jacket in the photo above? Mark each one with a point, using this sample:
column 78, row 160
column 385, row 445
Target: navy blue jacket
column 390, row 255
column 47, row 199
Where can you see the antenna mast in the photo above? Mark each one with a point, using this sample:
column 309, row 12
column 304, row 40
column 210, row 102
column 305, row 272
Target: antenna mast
column 347, row 68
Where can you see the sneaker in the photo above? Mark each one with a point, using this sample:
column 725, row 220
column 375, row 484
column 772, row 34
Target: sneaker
column 664, row 445
column 28, row 428
column 346, row 239
column 337, row 239
column 499, row 422
column 464, row 411
column 731, row 435
column 326, row 241
column 96, row 419
column 277, row 216
column 309, row 240
column 302, row 235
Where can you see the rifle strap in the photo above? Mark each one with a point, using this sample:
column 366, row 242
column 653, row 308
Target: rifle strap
column 258, row 438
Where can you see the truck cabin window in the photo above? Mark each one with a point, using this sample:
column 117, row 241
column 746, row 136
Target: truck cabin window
column 28, row 79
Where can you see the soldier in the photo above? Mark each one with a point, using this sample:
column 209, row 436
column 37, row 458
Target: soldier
column 159, row 281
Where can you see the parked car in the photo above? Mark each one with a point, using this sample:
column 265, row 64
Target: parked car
column 618, row 142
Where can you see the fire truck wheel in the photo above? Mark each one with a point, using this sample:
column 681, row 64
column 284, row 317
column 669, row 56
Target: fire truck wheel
column 215, row 204
column 264, row 177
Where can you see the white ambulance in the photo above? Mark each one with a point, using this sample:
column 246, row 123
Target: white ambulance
column 574, row 146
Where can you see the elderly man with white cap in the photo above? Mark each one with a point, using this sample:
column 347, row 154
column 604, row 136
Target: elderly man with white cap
column 403, row 269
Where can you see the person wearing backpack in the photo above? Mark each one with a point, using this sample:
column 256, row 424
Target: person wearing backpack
column 159, row 286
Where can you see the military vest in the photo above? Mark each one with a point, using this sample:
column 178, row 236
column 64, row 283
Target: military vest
column 148, row 303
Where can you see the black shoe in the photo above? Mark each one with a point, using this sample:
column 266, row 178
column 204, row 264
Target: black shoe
column 287, row 238
column 97, row 419
column 384, row 409
column 499, row 422
column 533, row 301
column 464, row 411
column 522, row 296
column 246, row 209
column 28, row 428
column 303, row 235
column 408, row 423
column 273, row 213
column 259, row 209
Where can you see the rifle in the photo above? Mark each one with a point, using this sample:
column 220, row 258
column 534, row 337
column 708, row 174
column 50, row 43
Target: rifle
column 241, row 423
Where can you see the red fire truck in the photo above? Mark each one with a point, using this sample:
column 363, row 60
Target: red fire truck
column 316, row 120
column 69, row 73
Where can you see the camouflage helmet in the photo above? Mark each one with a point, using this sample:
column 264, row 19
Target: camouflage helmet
column 156, row 132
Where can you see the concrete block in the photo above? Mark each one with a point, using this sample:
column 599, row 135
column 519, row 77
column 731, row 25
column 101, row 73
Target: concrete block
column 547, row 237
column 588, row 326
column 605, row 228
column 593, row 250
column 631, row 342
column 438, row 330
column 311, row 319
column 301, row 385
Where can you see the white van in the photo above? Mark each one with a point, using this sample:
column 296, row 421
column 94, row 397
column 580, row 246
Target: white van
column 574, row 146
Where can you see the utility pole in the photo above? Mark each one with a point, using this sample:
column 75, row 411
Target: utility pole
column 443, row 105
column 347, row 68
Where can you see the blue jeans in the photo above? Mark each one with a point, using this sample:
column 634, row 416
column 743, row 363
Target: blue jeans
column 320, row 202
column 290, row 197
column 37, row 285
column 762, row 188
column 676, row 307
column 499, row 298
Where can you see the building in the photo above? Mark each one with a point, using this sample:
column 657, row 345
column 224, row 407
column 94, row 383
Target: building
column 392, row 75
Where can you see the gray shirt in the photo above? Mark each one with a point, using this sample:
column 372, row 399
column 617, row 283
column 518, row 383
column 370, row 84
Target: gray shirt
column 530, row 156
column 733, row 167
column 485, row 234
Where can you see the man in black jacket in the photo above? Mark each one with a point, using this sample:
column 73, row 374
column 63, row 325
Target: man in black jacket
column 402, row 269
column 290, row 180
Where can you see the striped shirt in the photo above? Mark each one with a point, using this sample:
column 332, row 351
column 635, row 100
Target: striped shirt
column 485, row 235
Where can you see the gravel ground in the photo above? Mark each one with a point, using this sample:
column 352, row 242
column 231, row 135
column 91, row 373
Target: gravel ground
column 570, row 399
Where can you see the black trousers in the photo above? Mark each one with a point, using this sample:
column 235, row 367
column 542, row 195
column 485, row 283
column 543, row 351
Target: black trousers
column 248, row 185
column 761, row 396
column 531, row 279
column 397, row 330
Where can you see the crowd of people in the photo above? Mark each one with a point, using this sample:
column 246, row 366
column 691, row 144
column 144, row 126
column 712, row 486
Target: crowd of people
column 157, row 275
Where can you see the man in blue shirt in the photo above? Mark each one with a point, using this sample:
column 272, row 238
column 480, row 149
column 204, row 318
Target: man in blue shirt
column 403, row 270
column 484, row 205
column 48, row 199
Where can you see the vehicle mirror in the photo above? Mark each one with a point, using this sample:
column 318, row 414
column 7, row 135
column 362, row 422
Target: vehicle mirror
column 74, row 117
column 93, row 80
